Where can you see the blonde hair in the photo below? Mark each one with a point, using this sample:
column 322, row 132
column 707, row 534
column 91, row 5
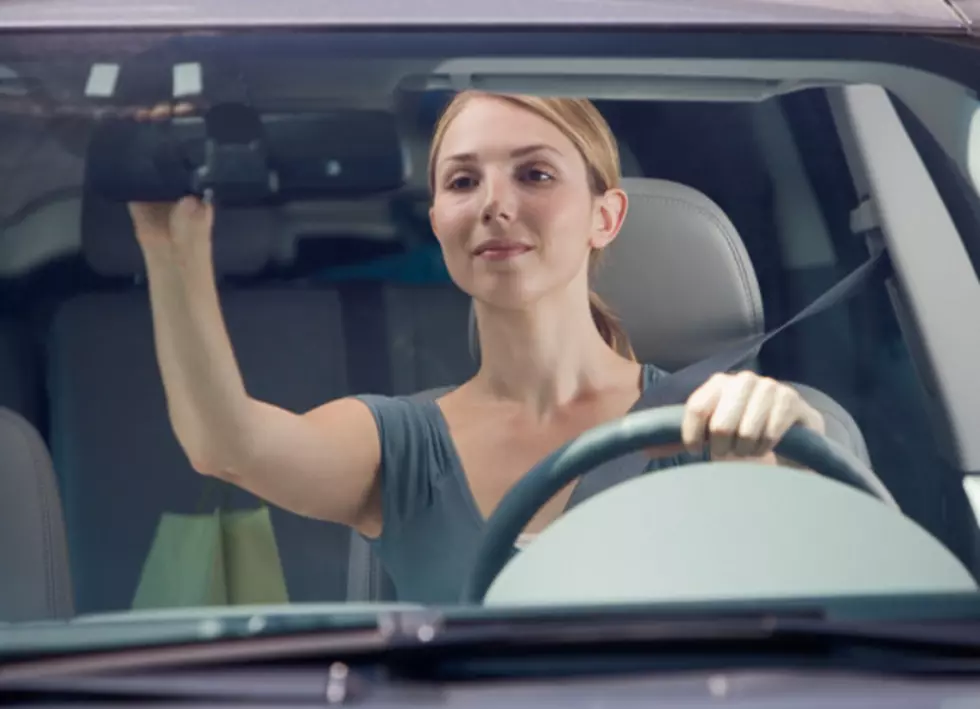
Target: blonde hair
column 581, row 123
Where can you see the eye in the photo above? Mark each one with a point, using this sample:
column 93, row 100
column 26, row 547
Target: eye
column 536, row 174
column 460, row 181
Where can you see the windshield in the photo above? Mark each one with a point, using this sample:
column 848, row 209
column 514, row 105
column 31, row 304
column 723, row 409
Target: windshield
column 285, row 321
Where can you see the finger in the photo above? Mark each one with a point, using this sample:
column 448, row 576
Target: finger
column 786, row 411
column 160, row 111
column 201, row 210
column 190, row 209
column 697, row 413
column 750, row 439
column 139, row 211
column 727, row 416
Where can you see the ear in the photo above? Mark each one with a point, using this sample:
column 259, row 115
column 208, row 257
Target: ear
column 608, row 217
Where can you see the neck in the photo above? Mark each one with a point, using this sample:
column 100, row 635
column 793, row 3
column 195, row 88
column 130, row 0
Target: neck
column 547, row 355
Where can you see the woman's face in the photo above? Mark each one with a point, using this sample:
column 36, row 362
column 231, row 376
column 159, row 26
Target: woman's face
column 512, row 206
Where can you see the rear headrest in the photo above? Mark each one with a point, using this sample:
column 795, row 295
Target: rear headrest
column 244, row 239
column 678, row 276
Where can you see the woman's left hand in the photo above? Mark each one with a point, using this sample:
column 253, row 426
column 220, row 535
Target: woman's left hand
column 744, row 415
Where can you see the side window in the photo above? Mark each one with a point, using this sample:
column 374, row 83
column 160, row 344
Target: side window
column 873, row 375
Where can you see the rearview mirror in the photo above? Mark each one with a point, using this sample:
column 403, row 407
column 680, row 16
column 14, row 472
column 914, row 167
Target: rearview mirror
column 240, row 157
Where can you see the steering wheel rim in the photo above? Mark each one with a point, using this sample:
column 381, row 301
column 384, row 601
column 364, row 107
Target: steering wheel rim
column 633, row 432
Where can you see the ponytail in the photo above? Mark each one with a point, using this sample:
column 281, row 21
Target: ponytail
column 609, row 326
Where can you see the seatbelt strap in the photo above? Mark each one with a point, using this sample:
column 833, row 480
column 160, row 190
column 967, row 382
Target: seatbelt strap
column 675, row 388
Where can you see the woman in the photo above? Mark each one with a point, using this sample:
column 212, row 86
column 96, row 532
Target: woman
column 525, row 195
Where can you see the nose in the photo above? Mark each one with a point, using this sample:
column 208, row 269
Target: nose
column 500, row 199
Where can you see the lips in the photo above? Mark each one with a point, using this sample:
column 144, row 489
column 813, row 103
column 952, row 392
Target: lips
column 499, row 249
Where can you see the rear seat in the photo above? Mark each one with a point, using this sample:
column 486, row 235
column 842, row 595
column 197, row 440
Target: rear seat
column 19, row 388
column 112, row 444
column 36, row 584
column 427, row 336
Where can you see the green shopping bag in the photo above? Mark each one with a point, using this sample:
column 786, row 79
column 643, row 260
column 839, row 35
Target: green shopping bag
column 185, row 566
column 212, row 559
column 253, row 569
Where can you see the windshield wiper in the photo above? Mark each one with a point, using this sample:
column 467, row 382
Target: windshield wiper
column 425, row 646
column 334, row 685
column 611, row 644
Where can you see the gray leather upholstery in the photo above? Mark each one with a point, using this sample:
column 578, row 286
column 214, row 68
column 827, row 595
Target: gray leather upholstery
column 699, row 290
column 841, row 426
column 681, row 281
column 35, row 583
column 678, row 275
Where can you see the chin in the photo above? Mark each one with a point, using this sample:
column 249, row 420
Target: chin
column 504, row 288
column 505, row 293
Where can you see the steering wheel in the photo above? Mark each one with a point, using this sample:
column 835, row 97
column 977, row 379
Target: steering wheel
column 633, row 432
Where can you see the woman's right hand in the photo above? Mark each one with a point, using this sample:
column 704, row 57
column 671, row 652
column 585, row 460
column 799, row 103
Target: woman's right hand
column 177, row 225
column 170, row 224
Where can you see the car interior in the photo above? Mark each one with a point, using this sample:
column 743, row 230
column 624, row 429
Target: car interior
column 740, row 213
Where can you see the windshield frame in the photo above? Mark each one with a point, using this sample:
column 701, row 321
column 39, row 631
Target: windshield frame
column 937, row 56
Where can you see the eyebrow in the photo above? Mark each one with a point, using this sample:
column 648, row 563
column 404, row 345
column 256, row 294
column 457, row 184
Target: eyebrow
column 516, row 153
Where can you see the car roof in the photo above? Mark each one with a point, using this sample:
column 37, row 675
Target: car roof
column 926, row 15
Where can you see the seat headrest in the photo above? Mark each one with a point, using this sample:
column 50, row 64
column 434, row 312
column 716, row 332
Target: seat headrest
column 678, row 276
column 243, row 240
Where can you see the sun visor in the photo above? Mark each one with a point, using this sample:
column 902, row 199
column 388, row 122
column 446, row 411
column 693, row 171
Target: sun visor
column 245, row 158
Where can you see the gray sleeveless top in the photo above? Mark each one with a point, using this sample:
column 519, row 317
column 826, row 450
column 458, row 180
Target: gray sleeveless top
column 432, row 525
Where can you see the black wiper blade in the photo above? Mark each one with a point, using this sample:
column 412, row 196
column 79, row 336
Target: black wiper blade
column 649, row 631
column 423, row 644
column 695, row 643
column 281, row 685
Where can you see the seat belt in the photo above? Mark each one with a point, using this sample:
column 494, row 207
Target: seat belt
column 675, row 388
